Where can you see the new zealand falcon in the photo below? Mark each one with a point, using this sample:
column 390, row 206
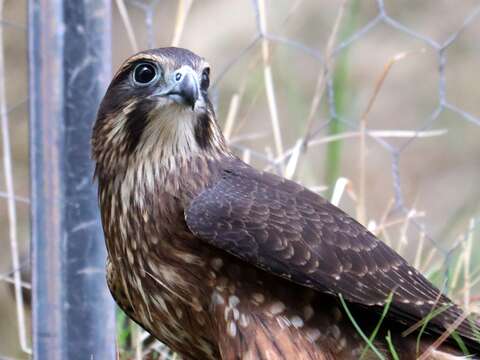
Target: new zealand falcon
column 221, row 261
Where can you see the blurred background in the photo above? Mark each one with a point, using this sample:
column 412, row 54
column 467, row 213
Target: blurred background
column 373, row 104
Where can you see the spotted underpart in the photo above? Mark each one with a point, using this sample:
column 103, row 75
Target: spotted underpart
column 221, row 261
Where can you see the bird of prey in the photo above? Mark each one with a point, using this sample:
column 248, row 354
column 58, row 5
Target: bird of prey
column 221, row 261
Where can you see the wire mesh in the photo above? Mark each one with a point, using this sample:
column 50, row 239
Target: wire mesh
column 373, row 104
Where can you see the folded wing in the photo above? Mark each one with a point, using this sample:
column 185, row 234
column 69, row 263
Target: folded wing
column 282, row 227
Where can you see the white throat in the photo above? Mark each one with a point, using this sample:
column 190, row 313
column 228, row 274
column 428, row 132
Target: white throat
column 170, row 133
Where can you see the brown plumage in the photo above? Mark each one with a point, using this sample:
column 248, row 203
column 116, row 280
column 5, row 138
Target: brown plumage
column 221, row 261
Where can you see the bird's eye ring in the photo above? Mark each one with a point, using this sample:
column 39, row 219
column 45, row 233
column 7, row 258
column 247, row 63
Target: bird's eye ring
column 144, row 74
column 205, row 82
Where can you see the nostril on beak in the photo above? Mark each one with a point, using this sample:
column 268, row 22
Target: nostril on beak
column 184, row 87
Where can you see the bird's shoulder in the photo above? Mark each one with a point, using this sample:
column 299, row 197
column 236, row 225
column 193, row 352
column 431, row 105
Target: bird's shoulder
column 248, row 197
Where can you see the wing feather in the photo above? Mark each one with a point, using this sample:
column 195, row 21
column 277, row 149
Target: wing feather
column 284, row 228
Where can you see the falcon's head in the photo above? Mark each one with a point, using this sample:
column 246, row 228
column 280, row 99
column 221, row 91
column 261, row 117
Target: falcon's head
column 157, row 107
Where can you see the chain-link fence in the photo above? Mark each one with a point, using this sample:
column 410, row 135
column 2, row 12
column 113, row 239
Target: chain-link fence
column 374, row 104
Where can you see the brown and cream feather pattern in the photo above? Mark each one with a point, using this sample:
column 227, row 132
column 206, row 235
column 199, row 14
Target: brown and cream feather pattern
column 221, row 261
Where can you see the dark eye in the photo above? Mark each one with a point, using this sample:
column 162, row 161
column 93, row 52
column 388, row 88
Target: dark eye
column 144, row 74
column 205, row 83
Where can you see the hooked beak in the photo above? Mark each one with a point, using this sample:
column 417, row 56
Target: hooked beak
column 185, row 89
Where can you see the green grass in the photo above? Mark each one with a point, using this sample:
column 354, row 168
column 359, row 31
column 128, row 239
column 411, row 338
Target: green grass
column 425, row 322
column 379, row 324
column 391, row 348
column 342, row 100
column 123, row 332
column 359, row 330
column 460, row 343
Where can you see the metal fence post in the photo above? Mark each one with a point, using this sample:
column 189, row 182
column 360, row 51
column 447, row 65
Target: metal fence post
column 69, row 63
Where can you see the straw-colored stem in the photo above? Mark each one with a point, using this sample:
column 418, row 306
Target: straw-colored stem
column 11, row 205
column 182, row 12
column 427, row 354
column 122, row 9
column 466, row 263
column 231, row 116
column 268, row 81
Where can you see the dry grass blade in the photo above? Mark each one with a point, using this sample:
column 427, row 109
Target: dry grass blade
column 182, row 13
column 426, row 264
column 467, row 254
column 464, row 262
column 384, row 217
column 122, row 9
column 268, row 79
column 383, row 76
column 138, row 340
column 17, row 198
column 361, row 205
column 320, row 85
column 457, row 270
column 435, row 310
column 246, row 156
column 231, row 116
column 378, row 134
column 403, row 241
column 338, row 190
column 230, row 126
column 292, row 163
column 427, row 354
column 11, row 280
column 388, row 224
column 249, row 137
column 419, row 250
column 11, row 206
column 322, row 75
column 373, row 133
